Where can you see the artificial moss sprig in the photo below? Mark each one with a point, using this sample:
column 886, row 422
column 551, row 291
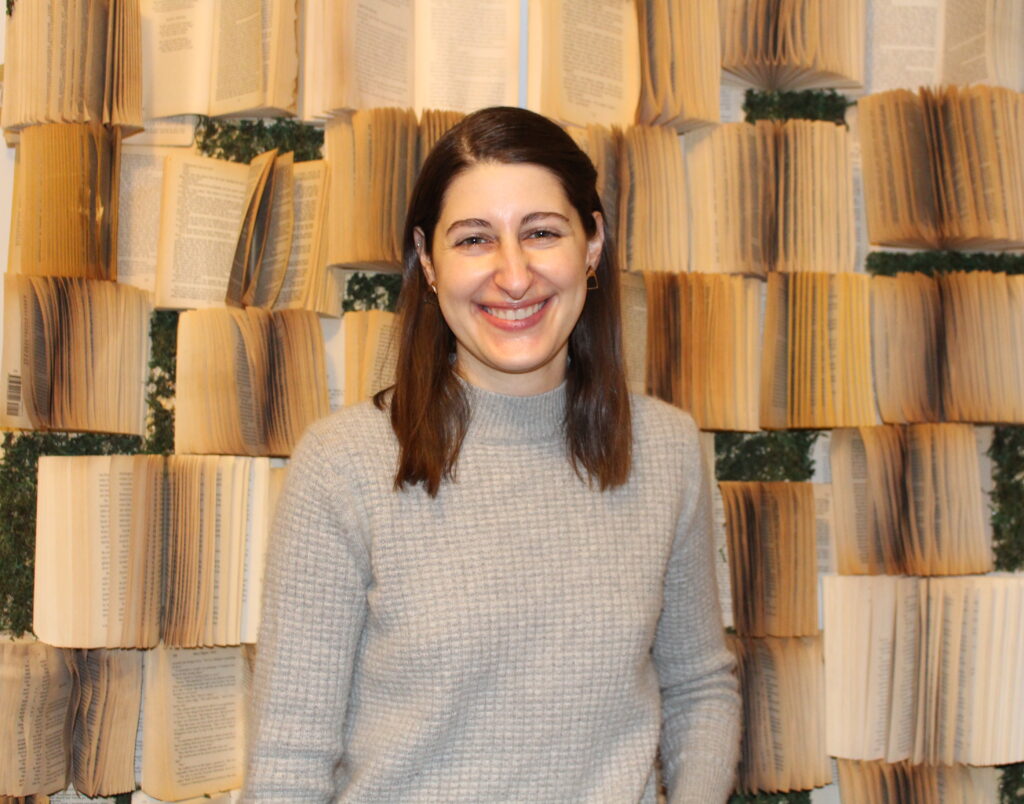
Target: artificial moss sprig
column 890, row 263
column 371, row 291
column 767, row 456
column 810, row 104
column 10, row 7
column 1011, row 785
column 241, row 140
column 1007, row 453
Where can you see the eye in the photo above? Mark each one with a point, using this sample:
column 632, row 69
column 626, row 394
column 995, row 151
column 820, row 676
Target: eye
column 542, row 234
column 470, row 240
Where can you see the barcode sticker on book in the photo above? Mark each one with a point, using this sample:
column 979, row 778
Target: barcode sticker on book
column 13, row 394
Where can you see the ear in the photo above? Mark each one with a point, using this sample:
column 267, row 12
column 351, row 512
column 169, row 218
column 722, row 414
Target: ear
column 596, row 243
column 420, row 241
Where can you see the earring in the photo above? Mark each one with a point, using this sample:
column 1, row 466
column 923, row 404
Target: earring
column 592, row 278
column 433, row 287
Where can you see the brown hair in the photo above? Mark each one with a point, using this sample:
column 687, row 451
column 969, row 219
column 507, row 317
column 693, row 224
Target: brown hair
column 429, row 411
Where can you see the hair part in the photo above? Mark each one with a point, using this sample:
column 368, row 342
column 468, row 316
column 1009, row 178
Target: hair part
column 429, row 409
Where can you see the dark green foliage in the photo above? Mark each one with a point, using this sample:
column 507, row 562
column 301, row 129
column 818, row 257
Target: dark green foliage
column 890, row 263
column 766, row 456
column 1011, row 786
column 10, row 7
column 810, row 104
column 241, row 140
column 794, row 797
column 371, row 291
column 1007, row 453
column 163, row 333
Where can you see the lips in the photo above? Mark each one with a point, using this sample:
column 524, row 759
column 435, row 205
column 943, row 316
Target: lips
column 514, row 317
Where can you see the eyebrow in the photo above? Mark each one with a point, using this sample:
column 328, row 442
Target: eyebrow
column 533, row 216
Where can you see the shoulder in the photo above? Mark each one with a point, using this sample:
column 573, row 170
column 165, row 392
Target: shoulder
column 346, row 435
column 657, row 422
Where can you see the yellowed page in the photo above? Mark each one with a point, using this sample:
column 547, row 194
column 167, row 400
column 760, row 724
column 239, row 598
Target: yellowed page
column 177, row 52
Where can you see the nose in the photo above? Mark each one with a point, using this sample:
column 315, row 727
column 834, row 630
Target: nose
column 512, row 272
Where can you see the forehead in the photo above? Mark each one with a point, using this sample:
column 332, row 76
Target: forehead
column 492, row 189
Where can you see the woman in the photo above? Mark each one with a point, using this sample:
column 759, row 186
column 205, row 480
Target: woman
column 496, row 584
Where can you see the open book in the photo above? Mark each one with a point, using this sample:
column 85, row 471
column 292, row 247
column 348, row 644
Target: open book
column 909, row 500
column 949, row 346
column 680, row 63
column 70, row 716
column 250, row 235
column 945, row 42
column 704, row 346
column 944, row 168
column 787, row 46
column 134, row 548
column 783, row 689
column 371, row 352
column 771, row 196
column 922, row 784
column 77, row 61
column 65, row 189
column 249, row 382
column 771, row 531
column 816, row 360
column 219, row 57
column 75, row 355
column 924, row 669
column 193, row 721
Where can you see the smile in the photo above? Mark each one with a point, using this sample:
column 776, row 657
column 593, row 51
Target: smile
column 514, row 314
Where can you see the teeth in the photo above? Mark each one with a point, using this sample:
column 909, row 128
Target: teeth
column 514, row 315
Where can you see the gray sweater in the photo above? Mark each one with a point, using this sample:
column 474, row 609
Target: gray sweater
column 522, row 637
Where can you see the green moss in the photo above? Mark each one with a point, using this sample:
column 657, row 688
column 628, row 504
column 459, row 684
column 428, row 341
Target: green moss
column 1007, row 453
column 1011, row 786
column 371, row 291
column 766, row 456
column 241, row 140
column 811, row 104
column 890, row 263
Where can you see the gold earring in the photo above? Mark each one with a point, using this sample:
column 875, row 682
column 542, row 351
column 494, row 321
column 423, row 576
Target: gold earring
column 592, row 283
column 433, row 287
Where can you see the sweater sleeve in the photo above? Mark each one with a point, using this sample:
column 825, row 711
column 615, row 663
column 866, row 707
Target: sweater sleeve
column 314, row 606
column 700, row 696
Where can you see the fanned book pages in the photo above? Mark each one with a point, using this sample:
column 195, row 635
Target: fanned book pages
column 65, row 189
column 74, row 61
column 633, row 304
column 680, row 63
column 771, row 531
column 70, row 716
column 118, row 534
column 603, row 145
column 360, row 54
column 651, row 215
column 816, row 363
column 783, row 689
column 249, row 235
column 921, row 784
column 372, row 156
column 927, row 670
column 944, row 168
column 907, row 336
column 771, row 196
column 786, row 45
column 75, row 355
column 193, row 721
column 704, row 346
column 249, row 382
column 371, row 352
column 225, row 58
column 909, row 499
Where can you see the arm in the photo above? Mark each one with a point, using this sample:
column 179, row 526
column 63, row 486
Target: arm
column 700, row 697
column 314, row 606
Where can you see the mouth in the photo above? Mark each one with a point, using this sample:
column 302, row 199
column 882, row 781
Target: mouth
column 515, row 317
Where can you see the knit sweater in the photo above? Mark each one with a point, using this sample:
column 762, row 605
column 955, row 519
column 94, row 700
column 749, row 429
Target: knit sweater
column 521, row 637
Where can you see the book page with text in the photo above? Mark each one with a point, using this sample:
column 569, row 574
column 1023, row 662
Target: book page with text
column 177, row 47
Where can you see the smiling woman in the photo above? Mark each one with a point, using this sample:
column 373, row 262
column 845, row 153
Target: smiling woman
column 496, row 583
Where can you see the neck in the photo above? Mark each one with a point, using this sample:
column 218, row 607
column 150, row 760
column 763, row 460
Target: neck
column 506, row 418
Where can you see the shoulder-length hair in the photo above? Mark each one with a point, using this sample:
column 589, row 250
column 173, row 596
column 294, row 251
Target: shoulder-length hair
column 429, row 410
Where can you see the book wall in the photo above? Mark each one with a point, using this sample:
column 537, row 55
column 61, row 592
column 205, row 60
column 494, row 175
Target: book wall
column 746, row 235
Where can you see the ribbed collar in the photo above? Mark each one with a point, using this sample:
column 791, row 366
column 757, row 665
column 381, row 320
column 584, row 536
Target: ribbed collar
column 501, row 419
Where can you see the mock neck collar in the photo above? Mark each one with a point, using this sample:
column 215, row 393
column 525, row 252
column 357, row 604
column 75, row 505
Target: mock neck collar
column 504, row 419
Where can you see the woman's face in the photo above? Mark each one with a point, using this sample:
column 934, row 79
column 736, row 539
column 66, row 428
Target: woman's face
column 509, row 262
